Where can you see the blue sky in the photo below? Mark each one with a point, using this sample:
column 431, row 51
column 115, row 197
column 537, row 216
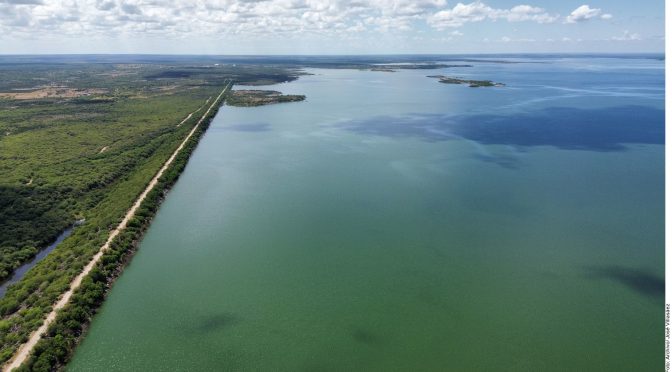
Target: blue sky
column 329, row 26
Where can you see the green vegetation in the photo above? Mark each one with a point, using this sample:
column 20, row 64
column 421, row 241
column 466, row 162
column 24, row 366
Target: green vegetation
column 386, row 67
column 383, row 69
column 55, row 349
column 242, row 74
column 81, row 141
column 69, row 132
column 471, row 83
column 52, row 161
column 248, row 98
column 412, row 66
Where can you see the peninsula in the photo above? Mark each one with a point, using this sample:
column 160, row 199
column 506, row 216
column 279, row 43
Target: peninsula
column 251, row 97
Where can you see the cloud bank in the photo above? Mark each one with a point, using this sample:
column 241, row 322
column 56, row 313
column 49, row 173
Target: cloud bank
column 179, row 18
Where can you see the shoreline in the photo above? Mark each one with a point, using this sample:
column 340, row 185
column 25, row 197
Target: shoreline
column 151, row 193
column 22, row 270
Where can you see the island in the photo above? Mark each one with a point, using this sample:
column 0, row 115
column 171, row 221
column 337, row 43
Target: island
column 251, row 97
column 382, row 69
column 471, row 83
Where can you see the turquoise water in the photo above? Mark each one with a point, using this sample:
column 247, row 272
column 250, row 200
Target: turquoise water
column 393, row 223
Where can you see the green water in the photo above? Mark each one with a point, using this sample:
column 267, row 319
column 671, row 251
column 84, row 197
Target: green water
column 296, row 240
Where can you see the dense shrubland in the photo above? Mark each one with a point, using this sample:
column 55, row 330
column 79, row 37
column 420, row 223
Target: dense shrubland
column 55, row 349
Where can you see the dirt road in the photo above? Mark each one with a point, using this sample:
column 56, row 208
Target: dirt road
column 24, row 350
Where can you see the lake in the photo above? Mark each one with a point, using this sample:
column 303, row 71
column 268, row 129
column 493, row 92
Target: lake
column 394, row 223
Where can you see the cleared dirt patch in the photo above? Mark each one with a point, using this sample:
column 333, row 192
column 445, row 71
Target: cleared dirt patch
column 51, row 92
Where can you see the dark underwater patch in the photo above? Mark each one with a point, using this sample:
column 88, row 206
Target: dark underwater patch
column 213, row 323
column 364, row 336
column 505, row 161
column 605, row 129
column 640, row 281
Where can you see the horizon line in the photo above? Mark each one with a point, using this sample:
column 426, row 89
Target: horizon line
column 333, row 55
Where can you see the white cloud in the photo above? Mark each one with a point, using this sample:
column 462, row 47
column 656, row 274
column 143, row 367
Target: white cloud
column 255, row 18
column 528, row 13
column 21, row 2
column 506, row 39
column 627, row 36
column 477, row 11
column 584, row 13
column 180, row 17
column 460, row 14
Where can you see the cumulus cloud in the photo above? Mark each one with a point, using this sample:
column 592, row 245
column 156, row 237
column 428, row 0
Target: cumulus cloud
column 506, row 39
column 182, row 17
column 461, row 14
column 219, row 18
column 22, row 2
column 528, row 13
column 584, row 13
column 130, row 9
column 627, row 36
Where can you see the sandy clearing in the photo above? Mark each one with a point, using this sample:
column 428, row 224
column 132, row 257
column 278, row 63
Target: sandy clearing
column 52, row 92
column 24, row 350
column 105, row 149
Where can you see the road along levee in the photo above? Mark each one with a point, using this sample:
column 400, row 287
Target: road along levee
column 23, row 352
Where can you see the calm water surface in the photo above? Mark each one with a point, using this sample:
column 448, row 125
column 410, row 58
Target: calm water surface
column 393, row 223
column 22, row 270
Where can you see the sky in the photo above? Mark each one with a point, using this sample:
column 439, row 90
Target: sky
column 330, row 26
